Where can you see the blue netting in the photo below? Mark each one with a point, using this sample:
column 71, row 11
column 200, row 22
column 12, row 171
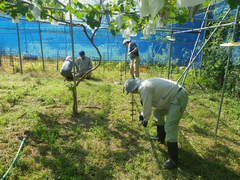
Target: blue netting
column 56, row 41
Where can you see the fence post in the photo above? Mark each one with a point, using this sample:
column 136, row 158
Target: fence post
column 40, row 37
column 19, row 48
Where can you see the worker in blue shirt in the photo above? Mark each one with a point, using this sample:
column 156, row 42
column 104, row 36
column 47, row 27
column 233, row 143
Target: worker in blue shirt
column 134, row 56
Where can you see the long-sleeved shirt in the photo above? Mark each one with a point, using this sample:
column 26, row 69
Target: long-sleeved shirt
column 156, row 92
column 85, row 64
column 67, row 66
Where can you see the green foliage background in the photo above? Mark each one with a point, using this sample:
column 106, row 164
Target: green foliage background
column 215, row 59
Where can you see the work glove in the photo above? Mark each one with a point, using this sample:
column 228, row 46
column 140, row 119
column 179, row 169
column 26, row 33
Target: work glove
column 144, row 123
column 129, row 53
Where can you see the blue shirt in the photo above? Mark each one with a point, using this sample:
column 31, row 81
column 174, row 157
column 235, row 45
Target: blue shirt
column 132, row 46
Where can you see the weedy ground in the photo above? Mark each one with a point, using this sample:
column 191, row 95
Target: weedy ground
column 104, row 141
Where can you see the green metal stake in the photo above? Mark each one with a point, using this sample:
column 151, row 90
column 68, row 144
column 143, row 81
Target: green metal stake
column 226, row 72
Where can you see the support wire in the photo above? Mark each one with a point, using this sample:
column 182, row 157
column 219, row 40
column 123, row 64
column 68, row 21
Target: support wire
column 195, row 45
column 189, row 65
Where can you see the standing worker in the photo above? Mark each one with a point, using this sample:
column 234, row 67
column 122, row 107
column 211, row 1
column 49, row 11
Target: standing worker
column 170, row 99
column 66, row 70
column 134, row 56
column 85, row 64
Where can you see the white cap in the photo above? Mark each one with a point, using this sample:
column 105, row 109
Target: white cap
column 126, row 41
column 68, row 58
column 131, row 84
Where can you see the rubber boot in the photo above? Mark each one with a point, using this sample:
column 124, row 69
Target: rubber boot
column 172, row 161
column 161, row 134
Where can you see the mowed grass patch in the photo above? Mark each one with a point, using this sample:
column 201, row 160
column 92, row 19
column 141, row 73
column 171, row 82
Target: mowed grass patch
column 103, row 141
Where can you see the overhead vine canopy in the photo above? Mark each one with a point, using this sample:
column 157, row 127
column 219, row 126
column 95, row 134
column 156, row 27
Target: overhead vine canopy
column 127, row 17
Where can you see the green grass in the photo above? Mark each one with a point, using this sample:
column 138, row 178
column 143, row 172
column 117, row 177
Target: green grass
column 103, row 141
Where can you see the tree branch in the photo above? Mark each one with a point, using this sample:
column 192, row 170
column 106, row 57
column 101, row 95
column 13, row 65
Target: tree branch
column 100, row 57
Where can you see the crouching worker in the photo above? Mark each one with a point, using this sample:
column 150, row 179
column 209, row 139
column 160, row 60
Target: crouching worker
column 66, row 70
column 170, row 99
column 85, row 64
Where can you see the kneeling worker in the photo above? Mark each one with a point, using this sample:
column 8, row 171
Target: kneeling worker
column 66, row 70
column 170, row 99
column 85, row 64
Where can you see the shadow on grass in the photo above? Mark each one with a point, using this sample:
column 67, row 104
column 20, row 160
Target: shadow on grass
column 66, row 149
column 232, row 138
column 203, row 128
column 194, row 166
column 63, row 146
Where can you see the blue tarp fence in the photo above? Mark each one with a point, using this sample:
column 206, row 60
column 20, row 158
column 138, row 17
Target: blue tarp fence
column 57, row 44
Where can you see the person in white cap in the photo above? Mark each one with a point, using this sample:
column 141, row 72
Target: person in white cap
column 66, row 70
column 170, row 99
column 134, row 56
